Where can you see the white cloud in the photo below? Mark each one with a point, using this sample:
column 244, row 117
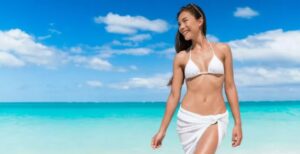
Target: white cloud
column 212, row 38
column 94, row 83
column 168, row 53
column 123, row 69
column 269, row 58
column 10, row 60
column 119, row 43
column 134, row 51
column 271, row 46
column 98, row 60
column 158, row 81
column 120, row 29
column 245, row 12
column 92, row 62
column 99, row 64
column 139, row 37
column 19, row 48
column 263, row 76
column 105, row 53
column 96, row 63
column 159, row 45
column 130, row 24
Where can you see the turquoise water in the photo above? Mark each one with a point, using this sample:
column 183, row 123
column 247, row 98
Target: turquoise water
column 127, row 128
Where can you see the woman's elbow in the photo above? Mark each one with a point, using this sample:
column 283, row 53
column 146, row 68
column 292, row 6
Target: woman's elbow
column 229, row 86
column 175, row 95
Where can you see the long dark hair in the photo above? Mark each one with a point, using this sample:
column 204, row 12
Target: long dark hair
column 180, row 43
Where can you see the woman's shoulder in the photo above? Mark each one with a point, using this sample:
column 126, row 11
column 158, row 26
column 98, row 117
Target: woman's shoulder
column 222, row 47
column 181, row 57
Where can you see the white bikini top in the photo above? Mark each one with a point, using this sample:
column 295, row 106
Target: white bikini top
column 215, row 66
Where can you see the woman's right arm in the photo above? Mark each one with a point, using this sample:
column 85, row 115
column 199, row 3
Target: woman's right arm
column 175, row 93
column 172, row 100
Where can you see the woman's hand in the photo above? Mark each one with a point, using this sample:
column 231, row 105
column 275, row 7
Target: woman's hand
column 237, row 135
column 157, row 140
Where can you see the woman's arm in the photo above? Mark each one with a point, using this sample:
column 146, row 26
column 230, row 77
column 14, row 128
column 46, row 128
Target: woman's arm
column 172, row 101
column 175, row 93
column 230, row 88
column 232, row 96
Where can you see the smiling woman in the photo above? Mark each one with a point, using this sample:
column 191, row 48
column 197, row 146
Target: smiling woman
column 202, row 118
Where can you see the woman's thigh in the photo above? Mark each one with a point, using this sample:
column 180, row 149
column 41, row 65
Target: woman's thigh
column 208, row 142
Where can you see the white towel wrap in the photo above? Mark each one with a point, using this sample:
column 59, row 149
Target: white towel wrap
column 191, row 126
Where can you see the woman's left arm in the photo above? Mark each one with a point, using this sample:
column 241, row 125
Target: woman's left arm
column 232, row 96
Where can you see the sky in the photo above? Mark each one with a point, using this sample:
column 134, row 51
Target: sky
column 99, row 51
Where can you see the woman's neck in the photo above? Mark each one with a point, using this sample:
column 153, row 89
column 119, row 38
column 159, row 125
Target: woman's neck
column 199, row 42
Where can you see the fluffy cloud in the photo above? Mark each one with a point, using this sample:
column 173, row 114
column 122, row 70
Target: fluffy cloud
column 108, row 52
column 131, row 24
column 158, row 81
column 168, row 53
column 128, row 43
column 269, row 59
column 17, row 49
column 139, row 37
column 98, row 63
column 263, row 76
column 92, row 62
column 272, row 46
column 212, row 38
column 245, row 12
column 10, row 60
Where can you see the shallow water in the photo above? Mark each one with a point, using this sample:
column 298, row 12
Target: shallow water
column 114, row 128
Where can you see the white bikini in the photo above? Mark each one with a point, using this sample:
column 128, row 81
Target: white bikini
column 215, row 66
column 191, row 126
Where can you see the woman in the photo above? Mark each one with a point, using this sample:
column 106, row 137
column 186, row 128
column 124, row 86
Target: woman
column 205, row 66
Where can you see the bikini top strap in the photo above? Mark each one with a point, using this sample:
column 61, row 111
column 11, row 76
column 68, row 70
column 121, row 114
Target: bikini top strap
column 211, row 48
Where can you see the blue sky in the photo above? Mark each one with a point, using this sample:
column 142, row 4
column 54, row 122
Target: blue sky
column 123, row 51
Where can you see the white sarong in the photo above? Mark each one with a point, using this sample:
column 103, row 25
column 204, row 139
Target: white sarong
column 191, row 126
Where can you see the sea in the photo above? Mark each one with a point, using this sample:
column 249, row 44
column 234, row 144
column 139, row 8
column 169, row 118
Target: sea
column 269, row 127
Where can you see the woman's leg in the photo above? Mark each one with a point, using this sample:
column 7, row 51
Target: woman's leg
column 208, row 142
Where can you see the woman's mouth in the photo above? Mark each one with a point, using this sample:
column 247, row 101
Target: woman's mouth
column 185, row 32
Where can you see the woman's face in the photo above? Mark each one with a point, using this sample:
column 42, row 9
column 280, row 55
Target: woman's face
column 188, row 25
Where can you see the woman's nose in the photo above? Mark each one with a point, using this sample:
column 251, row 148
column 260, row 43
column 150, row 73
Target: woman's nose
column 181, row 28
